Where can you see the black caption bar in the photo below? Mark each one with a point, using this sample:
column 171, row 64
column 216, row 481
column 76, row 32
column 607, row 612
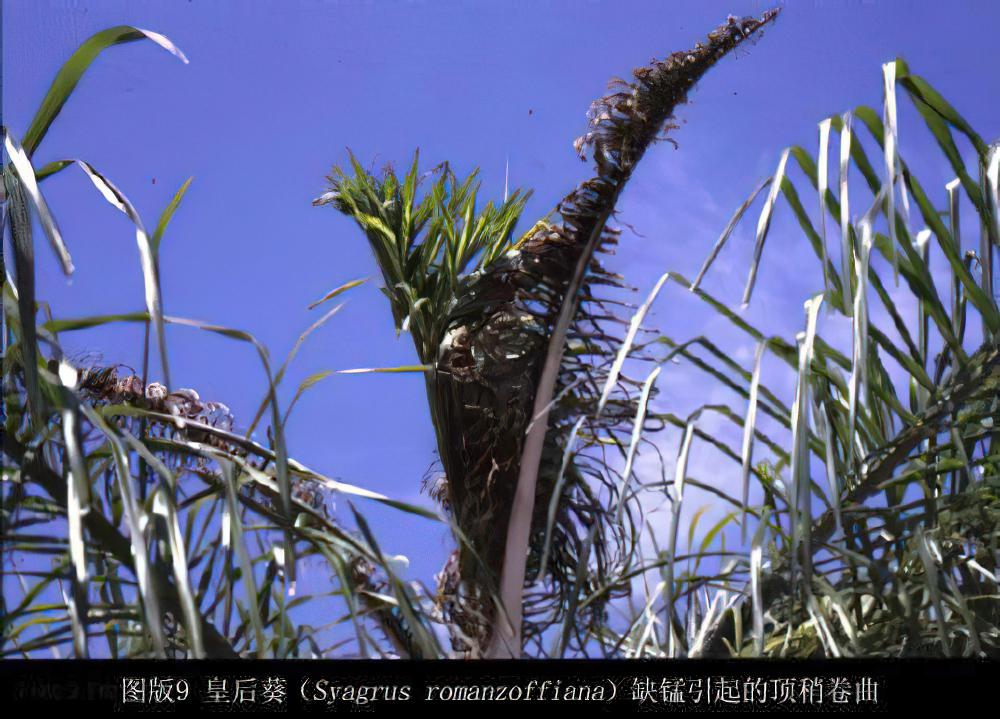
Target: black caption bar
column 266, row 686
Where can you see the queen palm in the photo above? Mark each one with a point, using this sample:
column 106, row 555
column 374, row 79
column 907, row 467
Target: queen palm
column 494, row 317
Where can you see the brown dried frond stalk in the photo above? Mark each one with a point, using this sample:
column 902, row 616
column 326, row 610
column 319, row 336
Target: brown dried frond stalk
column 491, row 355
column 112, row 386
column 191, row 418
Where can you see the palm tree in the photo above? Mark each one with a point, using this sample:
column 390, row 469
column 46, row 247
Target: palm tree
column 496, row 336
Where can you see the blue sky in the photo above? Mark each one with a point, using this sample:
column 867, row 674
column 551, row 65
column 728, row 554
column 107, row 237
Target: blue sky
column 276, row 91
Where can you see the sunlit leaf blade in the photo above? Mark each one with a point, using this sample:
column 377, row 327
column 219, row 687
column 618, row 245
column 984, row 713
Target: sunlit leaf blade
column 890, row 143
column 26, row 176
column 749, row 425
column 24, row 308
column 73, row 69
column 567, row 460
column 954, row 226
column 337, row 291
column 800, row 494
column 832, row 479
column 387, row 370
column 246, row 567
column 637, row 430
column 763, row 224
column 993, row 178
column 677, row 505
column 823, row 175
column 77, row 505
column 756, row 594
column 147, row 255
column 925, row 552
column 167, row 215
column 859, row 382
column 846, row 244
column 133, row 515
column 280, row 374
column 727, row 231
